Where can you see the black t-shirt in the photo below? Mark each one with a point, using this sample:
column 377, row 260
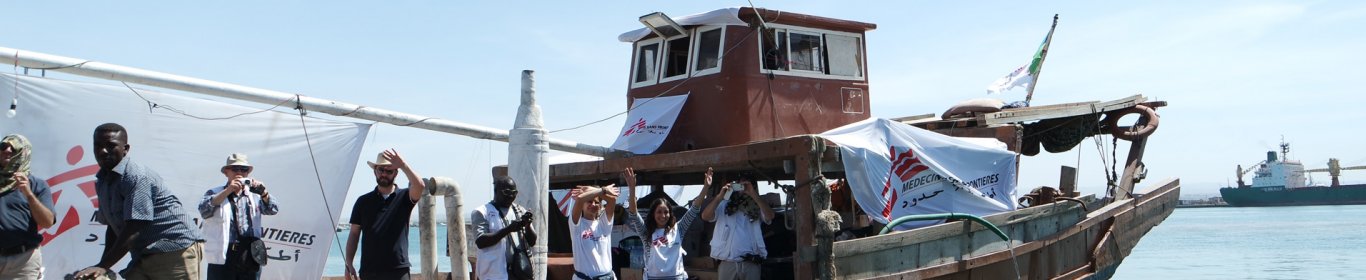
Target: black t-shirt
column 384, row 229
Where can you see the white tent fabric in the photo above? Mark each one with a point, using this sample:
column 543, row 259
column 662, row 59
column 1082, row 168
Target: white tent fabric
column 896, row 170
column 59, row 117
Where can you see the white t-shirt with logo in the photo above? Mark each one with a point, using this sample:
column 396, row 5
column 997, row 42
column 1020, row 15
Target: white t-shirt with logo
column 592, row 240
column 664, row 250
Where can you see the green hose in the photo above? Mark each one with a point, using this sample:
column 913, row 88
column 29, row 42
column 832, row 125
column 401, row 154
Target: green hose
column 942, row 216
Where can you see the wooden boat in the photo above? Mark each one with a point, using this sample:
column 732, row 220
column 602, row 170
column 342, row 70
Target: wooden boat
column 755, row 112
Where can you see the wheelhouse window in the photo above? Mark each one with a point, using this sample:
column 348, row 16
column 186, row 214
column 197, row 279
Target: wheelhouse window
column 646, row 58
column 708, row 51
column 846, row 57
column 808, row 52
column 805, row 52
column 658, row 60
column 676, row 57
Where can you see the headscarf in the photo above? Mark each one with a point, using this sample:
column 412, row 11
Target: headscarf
column 18, row 162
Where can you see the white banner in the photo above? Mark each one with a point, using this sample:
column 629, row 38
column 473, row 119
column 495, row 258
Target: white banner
column 896, row 170
column 648, row 123
column 59, row 118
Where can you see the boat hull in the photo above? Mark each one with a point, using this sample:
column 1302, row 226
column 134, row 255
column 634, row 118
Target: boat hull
column 1279, row 196
column 1053, row 241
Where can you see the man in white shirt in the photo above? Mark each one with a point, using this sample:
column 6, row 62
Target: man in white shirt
column 232, row 212
column 499, row 228
column 737, row 241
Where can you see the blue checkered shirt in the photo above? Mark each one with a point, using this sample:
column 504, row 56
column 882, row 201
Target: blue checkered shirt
column 133, row 192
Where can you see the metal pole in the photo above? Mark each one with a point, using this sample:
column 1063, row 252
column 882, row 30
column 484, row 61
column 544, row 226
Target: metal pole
column 107, row 71
column 426, row 228
column 529, row 168
column 456, row 241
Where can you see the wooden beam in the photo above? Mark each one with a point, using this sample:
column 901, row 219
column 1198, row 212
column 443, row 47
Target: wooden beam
column 1058, row 111
column 1133, row 164
column 807, row 167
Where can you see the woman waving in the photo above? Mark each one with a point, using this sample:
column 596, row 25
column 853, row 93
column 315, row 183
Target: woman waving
column 662, row 233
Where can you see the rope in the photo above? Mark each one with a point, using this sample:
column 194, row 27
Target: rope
column 153, row 105
column 307, row 139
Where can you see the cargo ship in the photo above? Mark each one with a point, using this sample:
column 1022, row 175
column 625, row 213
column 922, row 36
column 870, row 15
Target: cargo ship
column 1280, row 181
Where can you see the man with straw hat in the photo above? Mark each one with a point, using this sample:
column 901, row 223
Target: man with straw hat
column 232, row 220
column 27, row 205
column 379, row 221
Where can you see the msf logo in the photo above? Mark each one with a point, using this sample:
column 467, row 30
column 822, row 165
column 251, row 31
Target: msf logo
column 905, row 166
column 636, row 127
column 82, row 178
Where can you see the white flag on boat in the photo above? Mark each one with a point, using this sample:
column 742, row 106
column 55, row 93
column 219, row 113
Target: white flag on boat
column 896, row 170
column 1021, row 77
column 649, row 123
column 59, row 116
column 1026, row 75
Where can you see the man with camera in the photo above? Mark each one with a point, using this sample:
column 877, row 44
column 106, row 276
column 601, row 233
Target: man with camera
column 737, row 240
column 232, row 222
column 503, row 234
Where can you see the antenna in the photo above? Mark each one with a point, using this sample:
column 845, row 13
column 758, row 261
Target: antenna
column 1285, row 148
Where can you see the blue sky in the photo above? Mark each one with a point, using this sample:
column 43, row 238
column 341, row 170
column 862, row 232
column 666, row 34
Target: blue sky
column 1238, row 74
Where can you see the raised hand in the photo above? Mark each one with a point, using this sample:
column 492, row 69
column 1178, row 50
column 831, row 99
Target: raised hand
column 394, row 158
column 630, row 177
column 611, row 190
column 706, row 178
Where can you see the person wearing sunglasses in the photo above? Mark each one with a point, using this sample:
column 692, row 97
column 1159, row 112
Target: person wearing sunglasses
column 502, row 232
column 379, row 221
column 232, row 221
column 27, row 202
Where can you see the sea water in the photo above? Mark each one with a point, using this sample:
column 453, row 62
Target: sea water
column 1296, row 242
column 336, row 266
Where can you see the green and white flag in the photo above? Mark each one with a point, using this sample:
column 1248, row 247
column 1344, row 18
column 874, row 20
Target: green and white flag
column 1028, row 73
column 1023, row 76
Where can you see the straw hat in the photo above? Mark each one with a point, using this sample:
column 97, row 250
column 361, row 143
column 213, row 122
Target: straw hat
column 379, row 160
column 237, row 159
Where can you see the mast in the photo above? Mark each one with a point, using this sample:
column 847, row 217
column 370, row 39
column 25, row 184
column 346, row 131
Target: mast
column 1043, row 55
column 530, row 169
column 107, row 71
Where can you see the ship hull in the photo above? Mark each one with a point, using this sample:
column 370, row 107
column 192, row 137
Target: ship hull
column 1279, row 196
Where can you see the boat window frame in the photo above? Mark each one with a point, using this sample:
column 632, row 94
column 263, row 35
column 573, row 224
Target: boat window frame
column 663, row 58
column 824, row 55
column 635, row 61
column 697, row 48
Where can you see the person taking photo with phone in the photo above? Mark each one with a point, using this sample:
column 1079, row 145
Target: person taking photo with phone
column 737, row 241
column 503, row 234
column 232, row 221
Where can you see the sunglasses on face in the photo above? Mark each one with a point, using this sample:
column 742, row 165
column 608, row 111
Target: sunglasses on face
column 240, row 169
column 388, row 171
